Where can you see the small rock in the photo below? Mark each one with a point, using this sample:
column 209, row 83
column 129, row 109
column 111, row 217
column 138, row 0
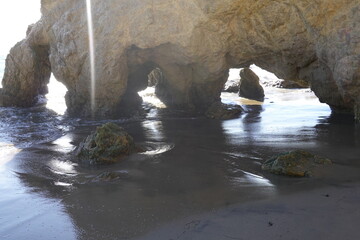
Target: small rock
column 108, row 144
column 295, row 163
column 223, row 111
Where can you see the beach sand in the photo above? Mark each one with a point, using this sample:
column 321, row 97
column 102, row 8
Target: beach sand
column 326, row 213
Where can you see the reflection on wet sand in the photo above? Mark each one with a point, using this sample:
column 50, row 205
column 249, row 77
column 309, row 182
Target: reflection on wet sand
column 28, row 214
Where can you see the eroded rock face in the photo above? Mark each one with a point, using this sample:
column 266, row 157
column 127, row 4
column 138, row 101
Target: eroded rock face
column 26, row 75
column 193, row 42
column 294, row 85
column 155, row 77
column 232, row 86
column 250, row 85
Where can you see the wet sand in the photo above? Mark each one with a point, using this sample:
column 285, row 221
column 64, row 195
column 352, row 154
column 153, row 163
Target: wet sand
column 199, row 179
column 328, row 213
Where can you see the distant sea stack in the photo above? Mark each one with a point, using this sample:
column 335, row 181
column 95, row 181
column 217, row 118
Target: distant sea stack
column 193, row 43
column 249, row 86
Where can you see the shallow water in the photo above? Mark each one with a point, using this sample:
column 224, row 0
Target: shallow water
column 192, row 165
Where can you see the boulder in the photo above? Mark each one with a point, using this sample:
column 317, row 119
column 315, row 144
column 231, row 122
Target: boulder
column 250, row 85
column 297, row 163
column 223, row 111
column 108, row 144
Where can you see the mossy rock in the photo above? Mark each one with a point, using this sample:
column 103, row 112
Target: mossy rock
column 108, row 144
column 297, row 163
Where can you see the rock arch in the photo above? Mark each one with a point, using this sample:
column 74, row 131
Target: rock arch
column 194, row 43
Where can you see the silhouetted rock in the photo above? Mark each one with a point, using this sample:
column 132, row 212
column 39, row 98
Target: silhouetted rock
column 250, row 85
column 223, row 111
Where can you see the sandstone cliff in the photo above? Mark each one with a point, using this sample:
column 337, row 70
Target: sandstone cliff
column 193, row 42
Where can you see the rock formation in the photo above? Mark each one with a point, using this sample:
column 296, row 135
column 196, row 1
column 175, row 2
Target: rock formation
column 193, row 42
column 155, row 77
column 232, row 85
column 250, row 85
column 293, row 84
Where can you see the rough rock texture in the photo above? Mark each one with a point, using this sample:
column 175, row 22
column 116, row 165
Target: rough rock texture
column 108, row 144
column 250, row 85
column 26, row 75
column 296, row 163
column 292, row 84
column 193, row 42
column 232, row 85
column 155, row 77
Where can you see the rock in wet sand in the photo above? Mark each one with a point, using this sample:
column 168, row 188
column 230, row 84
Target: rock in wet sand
column 223, row 111
column 297, row 163
column 108, row 144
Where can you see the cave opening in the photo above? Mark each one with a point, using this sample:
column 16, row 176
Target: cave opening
column 261, row 81
column 149, row 95
column 247, row 85
column 55, row 98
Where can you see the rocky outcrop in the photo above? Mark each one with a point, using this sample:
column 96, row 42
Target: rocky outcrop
column 232, row 86
column 193, row 42
column 294, row 85
column 108, row 144
column 250, row 85
column 297, row 163
column 26, row 75
column 223, row 111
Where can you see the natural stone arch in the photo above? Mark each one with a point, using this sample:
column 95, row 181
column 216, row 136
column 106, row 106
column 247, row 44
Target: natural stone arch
column 186, row 83
column 195, row 42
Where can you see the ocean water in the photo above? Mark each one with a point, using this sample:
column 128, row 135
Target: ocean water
column 192, row 164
